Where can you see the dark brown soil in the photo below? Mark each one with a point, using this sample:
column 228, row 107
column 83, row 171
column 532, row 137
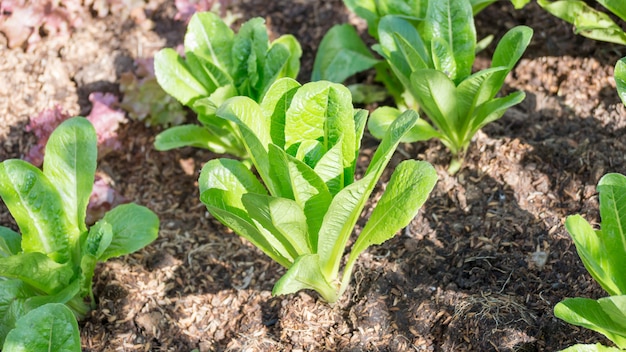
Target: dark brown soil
column 466, row 275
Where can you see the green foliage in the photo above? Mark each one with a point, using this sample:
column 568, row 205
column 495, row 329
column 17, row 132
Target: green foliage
column 588, row 21
column 54, row 258
column 429, row 50
column 374, row 10
column 146, row 101
column 434, row 61
column 220, row 64
column 620, row 78
column 342, row 52
column 603, row 252
column 51, row 327
column 304, row 142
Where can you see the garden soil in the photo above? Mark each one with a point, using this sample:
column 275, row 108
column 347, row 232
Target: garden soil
column 479, row 269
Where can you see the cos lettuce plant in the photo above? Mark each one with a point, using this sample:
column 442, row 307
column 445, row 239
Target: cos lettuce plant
column 374, row 10
column 604, row 255
column 220, row 64
column 342, row 52
column 435, row 65
column 303, row 142
column 53, row 258
column 588, row 21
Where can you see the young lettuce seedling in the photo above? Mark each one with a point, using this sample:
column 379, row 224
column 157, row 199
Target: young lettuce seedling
column 435, row 63
column 219, row 64
column 342, row 52
column 54, row 258
column 604, row 255
column 304, row 142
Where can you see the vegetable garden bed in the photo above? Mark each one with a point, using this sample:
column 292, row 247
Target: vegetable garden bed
column 480, row 268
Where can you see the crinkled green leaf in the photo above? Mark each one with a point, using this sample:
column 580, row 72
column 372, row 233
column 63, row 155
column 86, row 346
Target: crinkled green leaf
column 436, row 95
column 360, row 121
column 479, row 5
column 493, row 110
column 384, row 116
column 322, row 111
column 37, row 208
column 132, row 226
column 224, row 206
column 443, row 57
column 305, row 273
column 275, row 104
column 587, row 21
column 209, row 38
column 229, row 175
column 341, row 54
column 292, row 65
column 13, row 295
column 330, row 169
column 604, row 251
column 476, row 90
column 403, row 47
column 339, row 221
column 255, row 131
column 175, row 77
column 409, row 187
column 592, row 314
column 283, row 217
column 310, row 152
column 17, row 299
column 10, row 242
column 248, row 54
column 223, row 182
column 277, row 62
column 373, row 10
column 406, row 192
column 471, row 93
column 398, row 129
column 243, row 110
column 51, row 327
column 209, row 74
column 617, row 7
column 452, row 21
column 508, row 52
column 347, row 205
column 98, row 239
column 70, row 165
column 37, row 270
column 190, row 136
column 94, row 246
column 305, row 186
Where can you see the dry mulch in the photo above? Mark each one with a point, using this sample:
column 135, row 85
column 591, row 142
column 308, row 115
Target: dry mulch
column 479, row 269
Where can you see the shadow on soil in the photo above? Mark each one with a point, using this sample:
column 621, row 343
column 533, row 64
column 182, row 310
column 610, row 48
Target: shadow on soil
column 573, row 151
